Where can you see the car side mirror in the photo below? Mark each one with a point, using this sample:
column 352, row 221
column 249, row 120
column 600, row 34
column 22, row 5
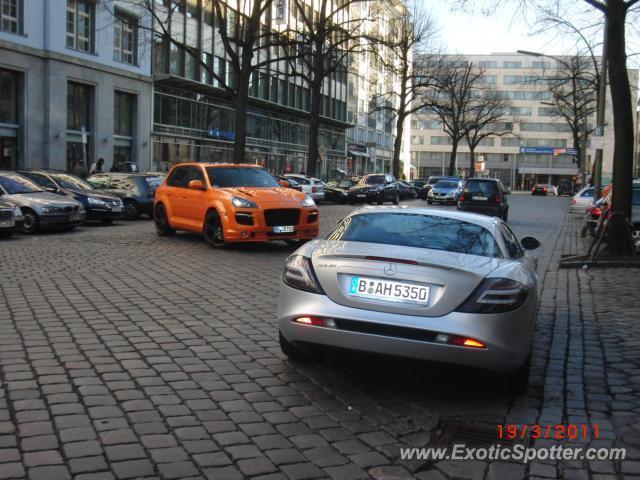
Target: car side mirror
column 530, row 243
column 284, row 183
column 51, row 189
column 196, row 185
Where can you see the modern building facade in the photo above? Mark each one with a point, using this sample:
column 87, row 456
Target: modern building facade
column 370, row 142
column 75, row 84
column 532, row 151
column 194, row 117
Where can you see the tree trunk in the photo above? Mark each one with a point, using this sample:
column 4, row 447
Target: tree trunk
column 397, row 146
column 452, row 159
column 622, row 122
column 240, row 119
column 472, row 161
column 314, row 127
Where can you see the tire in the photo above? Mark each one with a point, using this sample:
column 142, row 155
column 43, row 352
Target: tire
column 518, row 381
column 380, row 202
column 213, row 230
column 6, row 234
column 505, row 215
column 131, row 210
column 396, row 199
column 296, row 354
column 69, row 228
column 31, row 223
column 161, row 221
column 635, row 233
column 429, row 202
column 107, row 221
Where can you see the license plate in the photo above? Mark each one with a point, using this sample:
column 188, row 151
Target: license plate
column 478, row 198
column 388, row 290
column 8, row 224
column 361, row 195
column 284, row 229
column 116, row 209
column 75, row 218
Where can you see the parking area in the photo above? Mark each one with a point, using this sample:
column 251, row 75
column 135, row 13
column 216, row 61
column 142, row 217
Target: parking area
column 127, row 355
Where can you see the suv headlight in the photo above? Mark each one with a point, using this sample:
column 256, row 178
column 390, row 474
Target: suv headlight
column 96, row 201
column 240, row 202
column 308, row 202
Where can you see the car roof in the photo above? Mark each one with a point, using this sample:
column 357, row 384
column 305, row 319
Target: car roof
column 482, row 220
column 482, row 179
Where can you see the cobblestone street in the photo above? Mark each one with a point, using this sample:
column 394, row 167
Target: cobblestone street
column 126, row 355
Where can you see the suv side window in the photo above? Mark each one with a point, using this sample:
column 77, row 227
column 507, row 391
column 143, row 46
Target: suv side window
column 195, row 173
column 99, row 181
column 179, row 177
column 511, row 242
column 122, row 182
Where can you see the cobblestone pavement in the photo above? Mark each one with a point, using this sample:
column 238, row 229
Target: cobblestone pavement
column 125, row 355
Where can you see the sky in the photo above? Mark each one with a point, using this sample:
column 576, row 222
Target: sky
column 474, row 33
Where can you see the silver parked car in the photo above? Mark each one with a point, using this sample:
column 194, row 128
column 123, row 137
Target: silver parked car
column 445, row 191
column 415, row 282
column 582, row 200
column 10, row 218
column 39, row 208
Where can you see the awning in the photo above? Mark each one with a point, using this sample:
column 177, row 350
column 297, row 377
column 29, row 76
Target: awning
column 357, row 154
column 549, row 170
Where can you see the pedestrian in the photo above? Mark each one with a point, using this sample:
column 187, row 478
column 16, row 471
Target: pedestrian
column 115, row 167
column 96, row 167
column 79, row 170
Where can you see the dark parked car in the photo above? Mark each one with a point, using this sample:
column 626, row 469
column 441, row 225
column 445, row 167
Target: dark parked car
column 484, row 195
column 377, row 187
column 406, row 191
column 137, row 190
column 565, row 187
column 418, row 185
column 290, row 182
column 40, row 209
column 338, row 190
column 539, row 189
column 99, row 206
column 10, row 219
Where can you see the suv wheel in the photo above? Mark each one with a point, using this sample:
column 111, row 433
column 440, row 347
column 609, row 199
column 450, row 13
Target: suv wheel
column 131, row 210
column 31, row 223
column 162, row 222
column 505, row 215
column 396, row 199
column 518, row 381
column 213, row 231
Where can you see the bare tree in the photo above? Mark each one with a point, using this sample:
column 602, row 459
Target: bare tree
column 320, row 43
column 450, row 98
column 484, row 118
column 244, row 37
column 404, row 56
column 615, row 13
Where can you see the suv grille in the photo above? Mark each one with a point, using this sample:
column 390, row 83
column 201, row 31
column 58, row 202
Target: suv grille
column 290, row 216
column 6, row 214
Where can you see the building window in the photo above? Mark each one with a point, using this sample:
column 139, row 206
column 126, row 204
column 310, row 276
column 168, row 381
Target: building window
column 10, row 16
column 125, row 39
column 80, row 15
column 488, row 64
column 123, row 114
column 8, row 97
column 78, row 99
column 512, row 65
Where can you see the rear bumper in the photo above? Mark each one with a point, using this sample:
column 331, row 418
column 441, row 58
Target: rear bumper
column 508, row 337
column 493, row 210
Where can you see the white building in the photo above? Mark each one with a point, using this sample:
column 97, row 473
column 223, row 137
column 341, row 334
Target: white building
column 68, row 67
column 526, row 155
column 370, row 141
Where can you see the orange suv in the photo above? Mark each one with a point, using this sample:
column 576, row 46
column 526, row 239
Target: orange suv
column 233, row 203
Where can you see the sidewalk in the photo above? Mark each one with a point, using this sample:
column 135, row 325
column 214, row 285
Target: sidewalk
column 586, row 370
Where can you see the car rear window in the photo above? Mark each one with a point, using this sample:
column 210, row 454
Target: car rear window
column 301, row 180
column 417, row 230
column 588, row 193
column 153, row 182
column 487, row 188
column 375, row 179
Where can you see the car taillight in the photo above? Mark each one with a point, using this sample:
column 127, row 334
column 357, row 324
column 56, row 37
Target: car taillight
column 298, row 273
column 461, row 197
column 495, row 295
column 573, row 201
column 459, row 341
column 315, row 321
column 314, row 189
column 545, row 189
column 596, row 211
column 498, row 199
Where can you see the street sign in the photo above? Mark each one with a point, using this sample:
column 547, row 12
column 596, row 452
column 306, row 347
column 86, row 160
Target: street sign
column 597, row 142
column 83, row 135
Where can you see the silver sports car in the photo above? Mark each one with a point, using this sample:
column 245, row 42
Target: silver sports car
column 415, row 282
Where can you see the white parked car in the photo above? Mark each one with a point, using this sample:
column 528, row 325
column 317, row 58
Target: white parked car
column 552, row 190
column 311, row 186
column 582, row 200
